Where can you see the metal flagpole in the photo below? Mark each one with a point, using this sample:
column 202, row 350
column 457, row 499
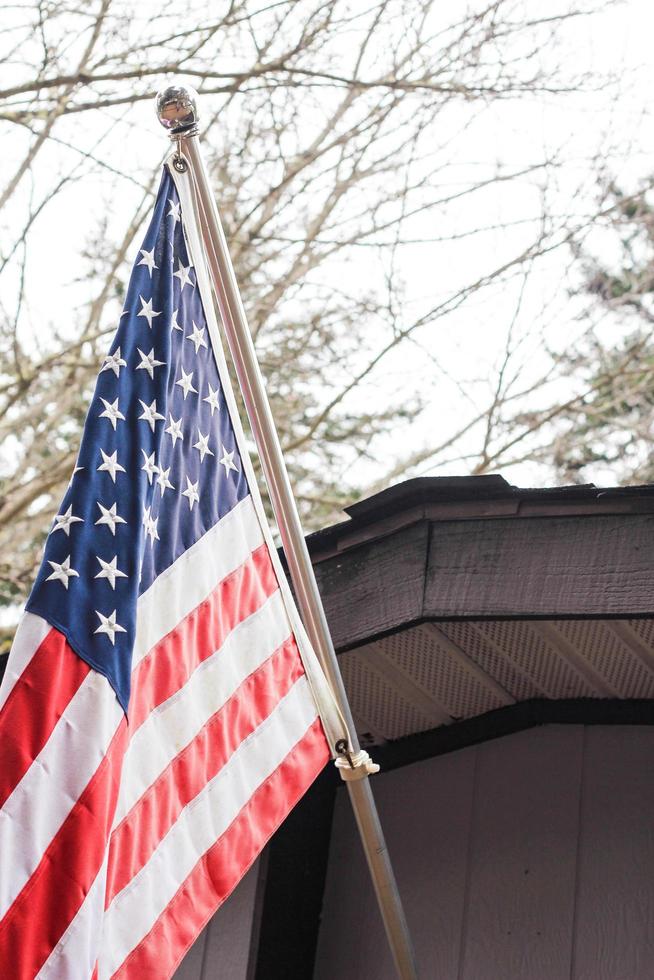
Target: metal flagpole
column 177, row 112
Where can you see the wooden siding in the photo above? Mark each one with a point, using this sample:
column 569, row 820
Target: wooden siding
column 526, row 858
column 376, row 587
column 541, row 566
column 522, row 568
column 222, row 950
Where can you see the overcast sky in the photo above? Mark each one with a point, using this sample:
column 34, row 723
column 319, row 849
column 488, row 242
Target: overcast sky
column 614, row 125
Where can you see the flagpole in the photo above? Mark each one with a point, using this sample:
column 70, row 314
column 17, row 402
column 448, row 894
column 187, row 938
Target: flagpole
column 177, row 112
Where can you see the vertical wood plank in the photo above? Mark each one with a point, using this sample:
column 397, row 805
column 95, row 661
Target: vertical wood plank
column 520, row 911
column 292, row 884
column 614, row 936
column 191, row 966
column 425, row 812
column 222, row 950
column 229, row 935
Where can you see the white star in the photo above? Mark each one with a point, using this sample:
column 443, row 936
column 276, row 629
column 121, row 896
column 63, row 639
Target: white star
column 163, row 481
column 110, row 517
column 149, row 466
column 148, row 362
column 61, row 573
column 148, row 259
column 183, row 274
column 151, row 530
column 109, row 626
column 197, row 337
column 111, row 464
column 150, row 413
column 113, row 362
column 191, row 492
column 147, row 311
column 228, row 461
column 150, row 525
column 175, row 324
column 212, row 398
column 110, row 571
column 63, row 521
column 174, row 430
column 174, row 210
column 203, row 445
column 186, row 383
column 111, row 412
column 78, row 469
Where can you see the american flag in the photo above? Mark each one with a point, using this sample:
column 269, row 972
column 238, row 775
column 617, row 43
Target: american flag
column 156, row 720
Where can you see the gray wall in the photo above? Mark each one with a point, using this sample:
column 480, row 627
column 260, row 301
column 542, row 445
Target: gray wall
column 222, row 950
column 526, row 858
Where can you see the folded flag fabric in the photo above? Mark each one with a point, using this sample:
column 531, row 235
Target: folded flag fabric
column 158, row 714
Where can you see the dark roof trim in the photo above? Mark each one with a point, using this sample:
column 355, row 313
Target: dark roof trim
column 560, row 567
column 506, row 721
column 492, row 487
column 471, row 498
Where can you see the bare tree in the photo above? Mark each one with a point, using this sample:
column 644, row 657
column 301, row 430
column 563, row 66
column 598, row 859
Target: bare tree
column 607, row 425
column 330, row 146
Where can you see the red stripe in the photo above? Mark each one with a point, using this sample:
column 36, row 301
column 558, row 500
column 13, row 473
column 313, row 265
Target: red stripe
column 148, row 822
column 167, row 667
column 219, row 870
column 50, row 899
column 34, row 706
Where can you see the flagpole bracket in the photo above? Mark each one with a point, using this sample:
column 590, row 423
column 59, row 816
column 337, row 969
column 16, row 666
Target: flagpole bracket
column 353, row 766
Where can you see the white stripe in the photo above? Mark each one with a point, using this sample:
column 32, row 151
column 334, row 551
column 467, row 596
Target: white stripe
column 31, row 632
column 136, row 909
column 48, row 791
column 195, row 574
column 77, row 950
column 176, row 722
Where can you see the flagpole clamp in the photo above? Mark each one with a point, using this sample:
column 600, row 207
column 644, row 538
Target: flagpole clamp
column 353, row 766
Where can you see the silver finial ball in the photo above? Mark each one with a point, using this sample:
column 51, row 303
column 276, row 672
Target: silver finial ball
column 177, row 109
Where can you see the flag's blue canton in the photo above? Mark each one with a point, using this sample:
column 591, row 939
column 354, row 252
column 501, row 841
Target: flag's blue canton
column 158, row 464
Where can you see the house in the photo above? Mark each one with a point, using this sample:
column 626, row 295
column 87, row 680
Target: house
column 498, row 649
